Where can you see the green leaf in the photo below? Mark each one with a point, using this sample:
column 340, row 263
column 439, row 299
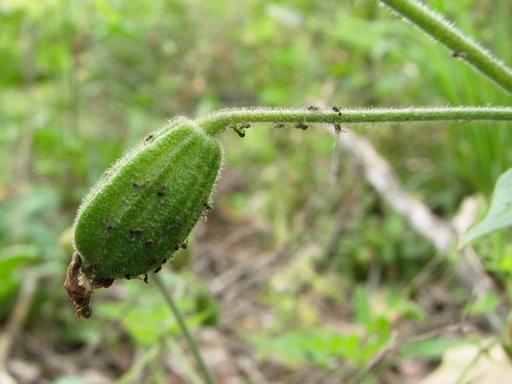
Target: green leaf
column 484, row 305
column 430, row 349
column 69, row 380
column 12, row 258
column 320, row 347
column 146, row 319
column 363, row 309
column 500, row 213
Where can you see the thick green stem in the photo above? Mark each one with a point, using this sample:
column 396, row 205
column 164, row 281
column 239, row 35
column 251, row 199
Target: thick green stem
column 217, row 121
column 184, row 330
column 461, row 45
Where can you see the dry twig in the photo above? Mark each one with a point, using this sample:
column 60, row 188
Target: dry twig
column 441, row 233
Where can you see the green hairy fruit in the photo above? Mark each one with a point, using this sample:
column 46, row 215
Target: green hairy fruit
column 143, row 208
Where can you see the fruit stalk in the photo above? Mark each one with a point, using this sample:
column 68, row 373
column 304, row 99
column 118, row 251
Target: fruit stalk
column 142, row 209
column 218, row 121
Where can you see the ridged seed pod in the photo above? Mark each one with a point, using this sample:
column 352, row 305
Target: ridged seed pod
column 143, row 208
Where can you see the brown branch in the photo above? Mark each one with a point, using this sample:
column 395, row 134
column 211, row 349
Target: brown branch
column 441, row 233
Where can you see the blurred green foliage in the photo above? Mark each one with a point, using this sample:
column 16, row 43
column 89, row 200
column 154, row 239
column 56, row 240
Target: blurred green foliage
column 499, row 216
column 81, row 81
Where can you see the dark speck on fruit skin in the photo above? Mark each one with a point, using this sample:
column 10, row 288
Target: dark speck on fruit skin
column 157, row 269
column 136, row 232
column 175, row 224
column 148, row 242
column 161, row 191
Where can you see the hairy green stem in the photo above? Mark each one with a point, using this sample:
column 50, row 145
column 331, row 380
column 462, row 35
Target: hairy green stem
column 184, row 330
column 217, row 121
column 461, row 45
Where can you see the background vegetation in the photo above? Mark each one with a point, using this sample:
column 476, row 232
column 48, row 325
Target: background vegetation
column 302, row 273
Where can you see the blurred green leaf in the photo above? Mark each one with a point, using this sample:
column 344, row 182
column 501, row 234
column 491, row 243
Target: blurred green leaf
column 314, row 347
column 500, row 213
column 69, row 380
column 317, row 346
column 431, row 349
column 484, row 305
column 363, row 307
column 11, row 259
column 146, row 317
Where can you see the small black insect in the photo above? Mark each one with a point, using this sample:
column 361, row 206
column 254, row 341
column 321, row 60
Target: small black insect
column 184, row 245
column 128, row 276
column 105, row 283
column 459, row 54
column 301, row 125
column 149, row 138
column 337, row 110
column 146, row 279
column 208, row 207
column 313, row 108
column 157, row 269
column 239, row 130
column 109, row 226
column 338, row 128
column 176, row 247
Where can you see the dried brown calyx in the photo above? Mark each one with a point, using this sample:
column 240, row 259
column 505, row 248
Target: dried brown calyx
column 80, row 288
